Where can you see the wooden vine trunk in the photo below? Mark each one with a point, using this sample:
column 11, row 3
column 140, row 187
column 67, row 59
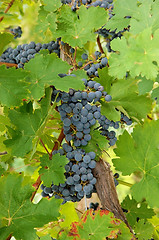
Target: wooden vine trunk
column 106, row 190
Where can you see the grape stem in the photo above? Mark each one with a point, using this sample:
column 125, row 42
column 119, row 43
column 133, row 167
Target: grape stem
column 86, row 64
column 78, row 210
column 124, row 183
column 8, row 64
column 74, row 59
column 59, row 141
column 9, row 237
column 3, row 153
column 99, row 44
column 44, row 146
column 36, row 185
column 8, row 7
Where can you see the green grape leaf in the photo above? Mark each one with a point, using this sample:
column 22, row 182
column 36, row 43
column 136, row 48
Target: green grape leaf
column 96, row 225
column 47, row 237
column 66, row 209
column 51, row 6
column 28, row 125
column 42, row 24
column 144, row 85
column 73, row 28
column 135, row 212
column 53, row 170
column 18, row 215
column 13, row 87
column 124, row 232
column 44, row 70
column 74, row 82
column 51, row 18
column 143, row 15
column 155, row 94
column 5, row 39
column 98, row 143
column 124, row 94
column 146, row 16
column 139, row 152
column 122, row 8
column 1, row 170
column 104, row 79
column 139, row 52
column 95, row 229
column 143, row 230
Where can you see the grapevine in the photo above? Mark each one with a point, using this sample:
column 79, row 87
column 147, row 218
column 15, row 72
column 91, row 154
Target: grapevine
column 79, row 120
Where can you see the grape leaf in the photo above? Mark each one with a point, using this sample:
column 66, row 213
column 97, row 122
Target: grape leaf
column 95, row 229
column 155, row 94
column 1, row 170
column 51, row 18
column 104, row 79
column 5, row 39
column 18, row 215
column 124, row 94
column 102, row 224
column 98, row 143
column 68, row 212
column 47, row 237
column 42, row 24
column 135, row 212
column 55, row 169
column 143, row 230
column 140, row 53
column 72, row 25
column 146, row 16
column 13, row 87
column 51, row 6
column 122, row 8
column 139, row 152
column 46, row 74
column 143, row 15
column 144, row 85
column 28, row 125
column 74, row 82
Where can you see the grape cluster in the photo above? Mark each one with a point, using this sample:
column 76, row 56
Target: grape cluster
column 92, row 68
column 105, row 123
column 17, row 32
column 79, row 178
column 107, row 4
column 79, row 113
column 125, row 119
column 23, row 53
column 93, row 206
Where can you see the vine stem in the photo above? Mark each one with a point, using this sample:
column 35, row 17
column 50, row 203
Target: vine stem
column 86, row 64
column 99, row 44
column 44, row 146
column 78, row 210
column 124, row 183
column 8, row 7
column 3, row 153
column 36, row 185
column 9, row 237
column 8, row 64
column 59, row 141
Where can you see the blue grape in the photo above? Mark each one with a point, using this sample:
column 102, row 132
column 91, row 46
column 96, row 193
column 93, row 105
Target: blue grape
column 92, row 164
column 84, row 56
column 86, row 159
column 108, row 98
